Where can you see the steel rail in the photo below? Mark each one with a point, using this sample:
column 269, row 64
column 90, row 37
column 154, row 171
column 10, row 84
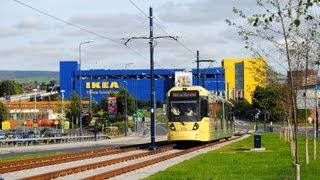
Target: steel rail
column 68, row 171
column 123, row 170
column 68, row 157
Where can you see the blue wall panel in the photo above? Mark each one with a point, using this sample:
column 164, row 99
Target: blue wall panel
column 102, row 82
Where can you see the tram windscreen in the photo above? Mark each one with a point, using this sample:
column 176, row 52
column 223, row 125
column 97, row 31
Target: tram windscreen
column 184, row 110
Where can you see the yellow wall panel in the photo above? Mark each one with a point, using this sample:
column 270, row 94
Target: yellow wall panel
column 254, row 75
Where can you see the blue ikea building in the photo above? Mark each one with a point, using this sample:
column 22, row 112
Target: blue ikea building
column 100, row 82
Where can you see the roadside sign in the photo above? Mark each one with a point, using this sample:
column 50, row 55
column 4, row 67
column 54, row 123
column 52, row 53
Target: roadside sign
column 138, row 114
column 66, row 125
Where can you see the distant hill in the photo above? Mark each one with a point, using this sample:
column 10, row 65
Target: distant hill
column 29, row 76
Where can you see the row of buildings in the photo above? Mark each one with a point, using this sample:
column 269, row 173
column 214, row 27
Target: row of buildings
column 235, row 79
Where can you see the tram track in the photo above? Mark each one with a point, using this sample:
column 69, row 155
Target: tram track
column 13, row 166
column 120, row 165
column 132, row 167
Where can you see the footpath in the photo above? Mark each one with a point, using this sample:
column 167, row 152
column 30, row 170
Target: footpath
column 120, row 141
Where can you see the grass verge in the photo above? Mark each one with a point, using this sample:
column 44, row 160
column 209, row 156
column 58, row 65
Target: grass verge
column 236, row 161
column 27, row 156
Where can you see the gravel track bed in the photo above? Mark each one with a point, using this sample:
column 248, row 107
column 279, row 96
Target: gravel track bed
column 46, row 169
column 133, row 175
column 114, row 166
column 161, row 166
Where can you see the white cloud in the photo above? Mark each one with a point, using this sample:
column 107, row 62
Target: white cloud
column 6, row 32
column 32, row 23
column 36, row 41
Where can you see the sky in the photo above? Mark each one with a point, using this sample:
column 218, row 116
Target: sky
column 41, row 33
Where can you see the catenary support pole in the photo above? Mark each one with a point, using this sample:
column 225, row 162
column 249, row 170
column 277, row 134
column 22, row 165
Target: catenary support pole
column 152, row 95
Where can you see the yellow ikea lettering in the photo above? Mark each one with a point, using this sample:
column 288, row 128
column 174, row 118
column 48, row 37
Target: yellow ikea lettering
column 88, row 85
column 95, row 85
column 114, row 85
column 101, row 85
column 105, row 84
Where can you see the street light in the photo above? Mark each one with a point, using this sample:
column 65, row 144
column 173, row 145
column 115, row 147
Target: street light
column 80, row 87
column 90, row 103
column 62, row 98
column 126, row 109
column 62, row 110
column 35, row 104
column 126, row 100
column 217, row 80
column 125, row 67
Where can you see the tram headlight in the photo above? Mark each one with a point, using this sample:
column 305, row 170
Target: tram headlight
column 195, row 126
column 171, row 126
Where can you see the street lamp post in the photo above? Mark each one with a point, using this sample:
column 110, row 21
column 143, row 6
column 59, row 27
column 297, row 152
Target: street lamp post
column 80, row 86
column 125, row 66
column 126, row 101
column 217, row 81
column 35, row 104
column 62, row 110
column 90, row 104
column 126, row 109
column 62, row 98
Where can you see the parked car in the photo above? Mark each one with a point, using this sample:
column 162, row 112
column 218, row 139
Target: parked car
column 2, row 134
column 10, row 135
column 31, row 134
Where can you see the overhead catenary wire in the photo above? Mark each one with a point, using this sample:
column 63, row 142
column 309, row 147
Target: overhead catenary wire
column 79, row 27
column 66, row 22
column 162, row 29
column 96, row 34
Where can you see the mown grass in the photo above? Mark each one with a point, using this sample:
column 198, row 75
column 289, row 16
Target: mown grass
column 27, row 156
column 161, row 118
column 236, row 161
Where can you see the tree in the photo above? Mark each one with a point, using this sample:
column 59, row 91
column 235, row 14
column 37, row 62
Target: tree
column 72, row 109
column 3, row 112
column 121, row 104
column 243, row 109
column 272, row 100
column 276, row 24
column 102, row 104
column 9, row 87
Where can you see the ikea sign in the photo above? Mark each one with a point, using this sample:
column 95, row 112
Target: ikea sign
column 102, row 85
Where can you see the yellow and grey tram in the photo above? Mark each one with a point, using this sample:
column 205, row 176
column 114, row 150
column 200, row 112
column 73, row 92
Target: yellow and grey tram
column 196, row 114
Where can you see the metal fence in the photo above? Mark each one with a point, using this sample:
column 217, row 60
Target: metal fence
column 50, row 140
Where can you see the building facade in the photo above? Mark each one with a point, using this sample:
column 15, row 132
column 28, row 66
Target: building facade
column 242, row 76
column 98, row 83
column 299, row 78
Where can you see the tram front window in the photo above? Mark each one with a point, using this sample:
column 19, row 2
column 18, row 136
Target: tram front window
column 184, row 111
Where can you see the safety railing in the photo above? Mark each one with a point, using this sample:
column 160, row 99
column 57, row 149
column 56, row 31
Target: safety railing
column 50, row 140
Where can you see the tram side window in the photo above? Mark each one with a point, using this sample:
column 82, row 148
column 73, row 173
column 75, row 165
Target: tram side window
column 204, row 108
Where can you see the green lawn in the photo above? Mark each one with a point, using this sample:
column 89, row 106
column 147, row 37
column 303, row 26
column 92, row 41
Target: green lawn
column 236, row 161
column 27, row 156
column 161, row 118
